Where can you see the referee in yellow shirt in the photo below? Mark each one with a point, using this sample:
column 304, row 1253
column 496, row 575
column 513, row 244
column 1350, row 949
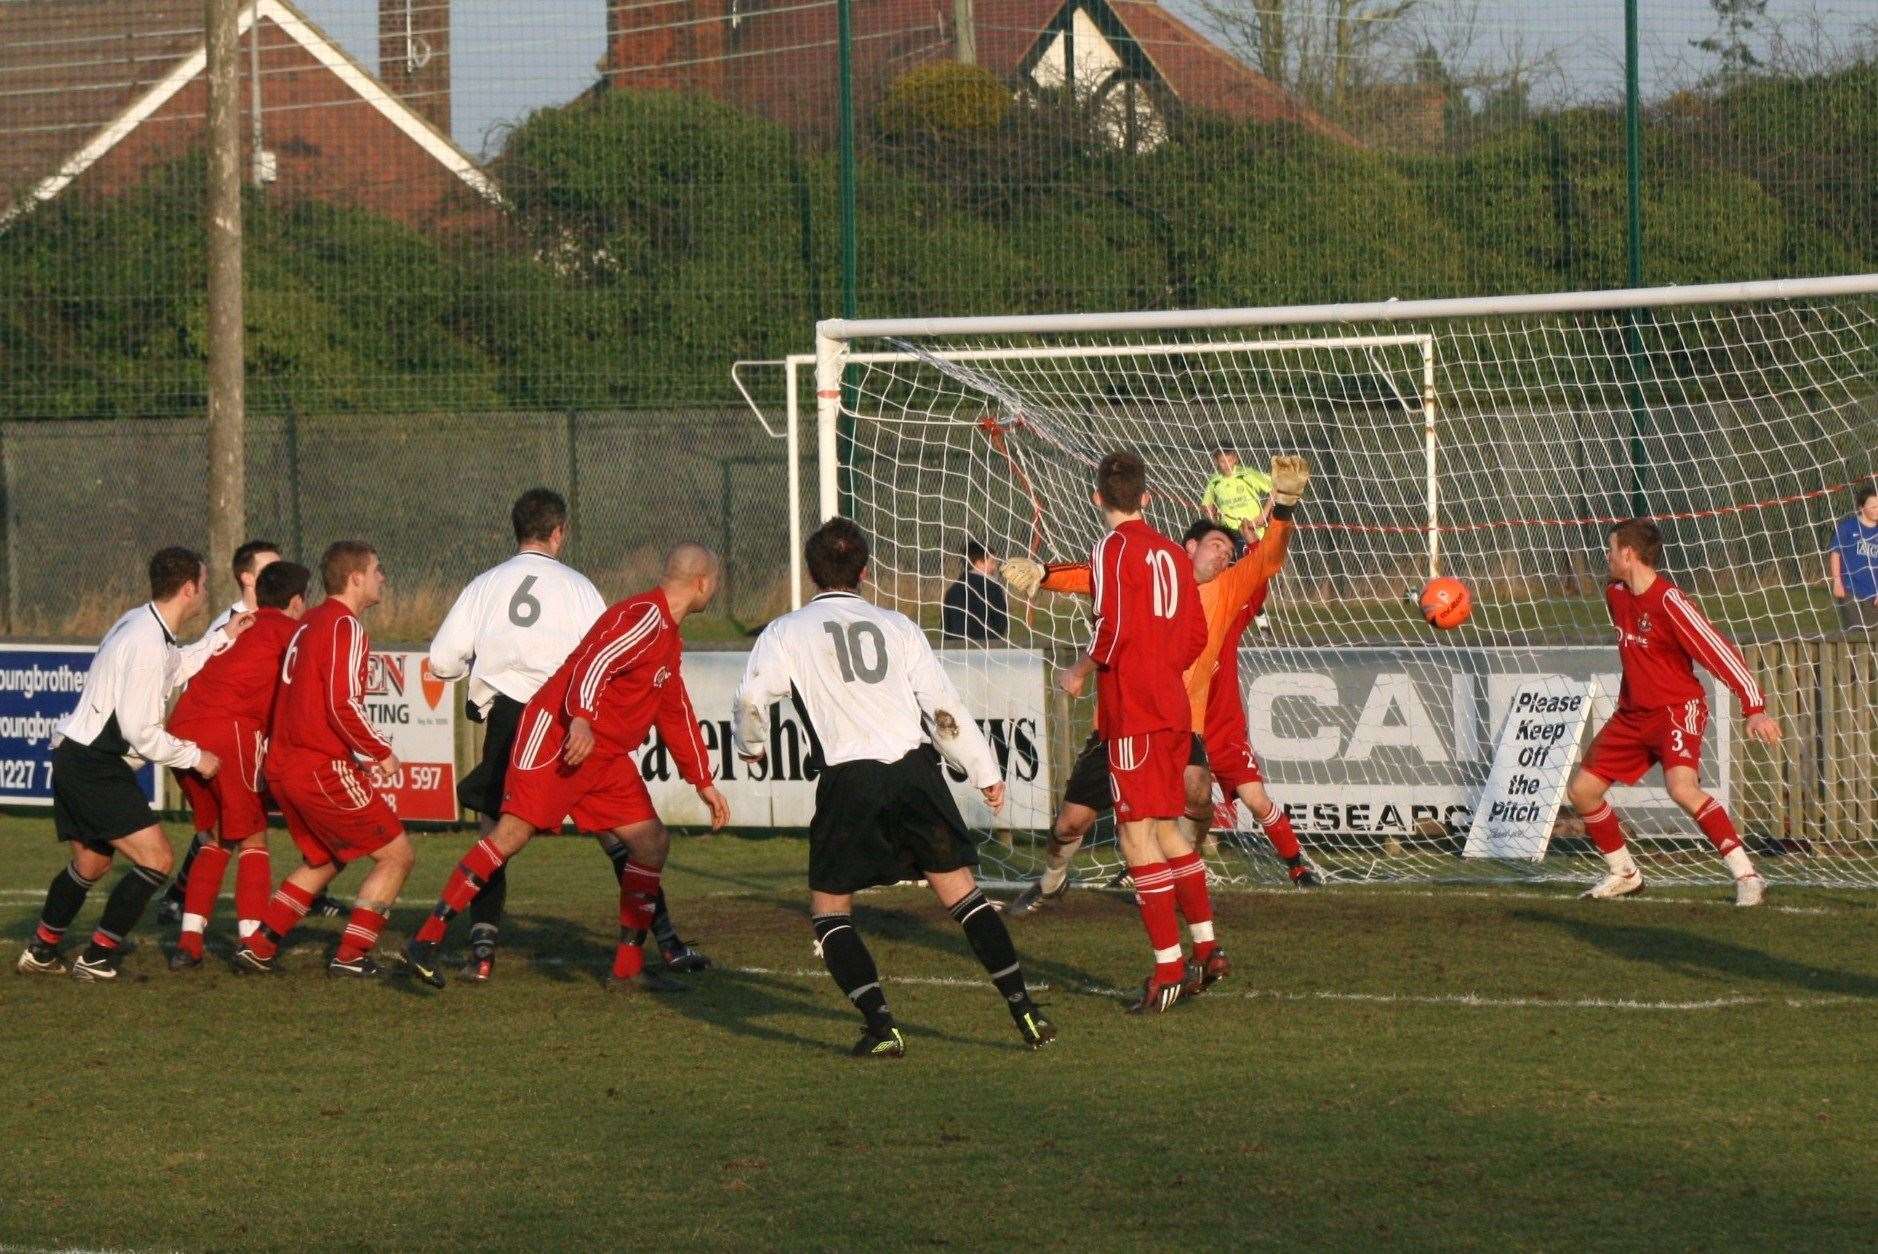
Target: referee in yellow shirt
column 1238, row 497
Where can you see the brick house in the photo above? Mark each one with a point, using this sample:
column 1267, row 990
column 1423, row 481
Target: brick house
column 93, row 96
column 777, row 58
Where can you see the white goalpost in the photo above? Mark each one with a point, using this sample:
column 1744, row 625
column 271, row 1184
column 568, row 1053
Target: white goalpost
column 1492, row 439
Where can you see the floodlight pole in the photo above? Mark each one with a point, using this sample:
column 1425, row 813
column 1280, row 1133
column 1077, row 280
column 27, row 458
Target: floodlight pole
column 227, row 405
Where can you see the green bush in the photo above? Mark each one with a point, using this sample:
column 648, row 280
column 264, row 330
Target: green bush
column 943, row 98
column 649, row 239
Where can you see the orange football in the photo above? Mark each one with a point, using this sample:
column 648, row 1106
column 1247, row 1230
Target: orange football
column 1446, row 602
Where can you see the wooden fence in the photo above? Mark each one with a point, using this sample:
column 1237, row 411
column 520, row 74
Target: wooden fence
column 1821, row 785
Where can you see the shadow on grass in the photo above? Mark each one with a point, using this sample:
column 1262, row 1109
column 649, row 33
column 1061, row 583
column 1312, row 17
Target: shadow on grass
column 1687, row 953
column 777, row 884
column 928, row 927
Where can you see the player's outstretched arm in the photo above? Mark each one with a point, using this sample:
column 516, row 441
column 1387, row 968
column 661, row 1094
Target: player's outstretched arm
column 1024, row 577
column 192, row 657
column 1247, row 577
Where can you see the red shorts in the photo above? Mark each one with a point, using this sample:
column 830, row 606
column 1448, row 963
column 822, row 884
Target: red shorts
column 231, row 805
column 1627, row 746
column 333, row 812
column 1146, row 775
column 601, row 794
column 1234, row 761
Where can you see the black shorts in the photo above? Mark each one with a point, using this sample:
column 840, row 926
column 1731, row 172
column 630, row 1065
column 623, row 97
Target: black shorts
column 883, row 822
column 481, row 789
column 1089, row 778
column 95, row 797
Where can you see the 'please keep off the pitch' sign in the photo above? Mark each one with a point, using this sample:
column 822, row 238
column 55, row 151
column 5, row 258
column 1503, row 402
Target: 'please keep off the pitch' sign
column 1544, row 724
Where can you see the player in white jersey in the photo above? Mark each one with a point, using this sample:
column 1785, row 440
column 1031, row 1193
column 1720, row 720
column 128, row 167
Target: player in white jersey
column 879, row 712
column 508, row 632
column 97, row 805
column 249, row 561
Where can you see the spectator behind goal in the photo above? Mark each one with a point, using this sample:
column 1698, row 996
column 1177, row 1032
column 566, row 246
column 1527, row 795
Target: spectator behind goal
column 975, row 608
column 1852, row 563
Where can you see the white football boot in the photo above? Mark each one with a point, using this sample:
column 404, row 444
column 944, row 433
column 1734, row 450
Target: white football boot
column 1750, row 889
column 1616, row 884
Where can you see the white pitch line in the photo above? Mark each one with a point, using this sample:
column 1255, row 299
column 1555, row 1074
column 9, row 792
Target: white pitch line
column 1514, row 894
column 1470, row 1001
column 1510, row 894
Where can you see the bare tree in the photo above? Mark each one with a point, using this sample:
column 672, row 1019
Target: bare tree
column 1321, row 49
column 1494, row 79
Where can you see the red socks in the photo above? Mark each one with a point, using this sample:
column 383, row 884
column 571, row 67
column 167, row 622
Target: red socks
column 253, row 877
column 481, row 862
column 283, row 913
column 1196, row 904
column 205, row 884
column 1154, row 893
column 361, row 933
column 1278, row 830
column 1605, row 831
column 638, row 893
column 1718, row 827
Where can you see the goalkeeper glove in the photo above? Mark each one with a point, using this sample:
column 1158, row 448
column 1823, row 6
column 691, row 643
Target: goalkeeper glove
column 1290, row 476
column 1022, row 576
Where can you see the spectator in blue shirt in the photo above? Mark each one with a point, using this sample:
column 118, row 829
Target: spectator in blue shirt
column 1853, row 564
column 975, row 608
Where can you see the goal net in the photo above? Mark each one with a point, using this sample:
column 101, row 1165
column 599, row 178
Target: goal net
column 1493, row 440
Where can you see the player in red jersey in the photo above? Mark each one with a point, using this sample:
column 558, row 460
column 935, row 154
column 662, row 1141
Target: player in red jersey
column 1661, row 712
column 1232, row 592
column 332, row 806
column 227, row 708
column 573, row 756
column 1149, row 629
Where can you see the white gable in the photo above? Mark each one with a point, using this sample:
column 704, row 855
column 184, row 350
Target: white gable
column 433, row 142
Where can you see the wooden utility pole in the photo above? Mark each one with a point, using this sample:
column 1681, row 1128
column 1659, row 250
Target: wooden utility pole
column 227, row 405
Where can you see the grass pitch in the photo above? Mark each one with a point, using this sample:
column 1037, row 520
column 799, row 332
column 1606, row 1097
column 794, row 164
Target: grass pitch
column 1465, row 1067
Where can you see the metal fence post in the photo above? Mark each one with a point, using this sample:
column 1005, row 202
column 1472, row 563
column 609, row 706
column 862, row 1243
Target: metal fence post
column 1633, row 339
column 571, row 436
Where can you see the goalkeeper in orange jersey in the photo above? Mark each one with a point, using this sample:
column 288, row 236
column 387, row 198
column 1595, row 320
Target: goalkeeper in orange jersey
column 1231, row 593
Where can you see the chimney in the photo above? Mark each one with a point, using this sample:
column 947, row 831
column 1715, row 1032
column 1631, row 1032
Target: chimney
column 414, row 55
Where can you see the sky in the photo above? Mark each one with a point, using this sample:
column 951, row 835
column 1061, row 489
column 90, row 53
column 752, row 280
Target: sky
column 514, row 56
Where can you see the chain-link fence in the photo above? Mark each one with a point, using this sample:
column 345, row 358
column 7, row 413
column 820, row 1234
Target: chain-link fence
column 86, row 502
column 464, row 222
